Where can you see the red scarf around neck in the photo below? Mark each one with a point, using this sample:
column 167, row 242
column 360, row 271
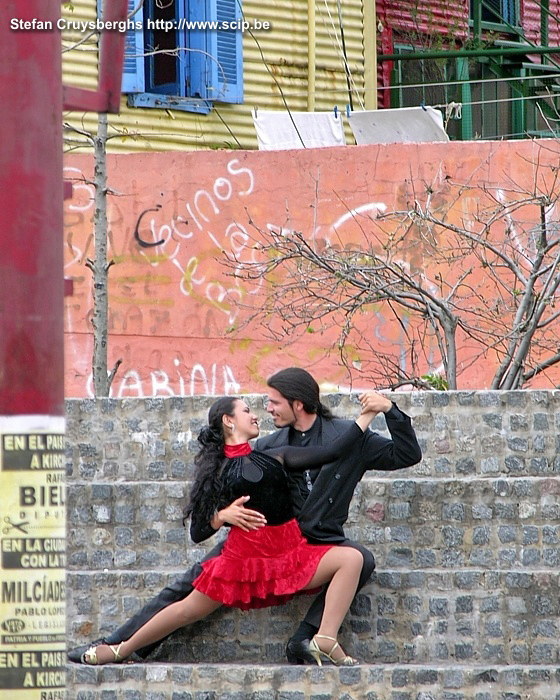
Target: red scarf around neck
column 237, row 450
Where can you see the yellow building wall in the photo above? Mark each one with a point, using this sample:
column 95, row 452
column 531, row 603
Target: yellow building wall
column 281, row 70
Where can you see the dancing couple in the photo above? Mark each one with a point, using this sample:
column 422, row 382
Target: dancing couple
column 298, row 480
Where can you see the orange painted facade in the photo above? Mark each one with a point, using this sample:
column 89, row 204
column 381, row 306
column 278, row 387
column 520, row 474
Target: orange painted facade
column 176, row 312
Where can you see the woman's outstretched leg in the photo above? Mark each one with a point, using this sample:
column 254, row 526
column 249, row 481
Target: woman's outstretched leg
column 341, row 566
column 184, row 612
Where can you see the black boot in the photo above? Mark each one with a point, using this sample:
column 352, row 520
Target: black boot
column 298, row 652
column 76, row 654
column 297, row 648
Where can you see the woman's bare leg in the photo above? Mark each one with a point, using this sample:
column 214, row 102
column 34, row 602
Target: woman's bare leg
column 184, row 612
column 341, row 566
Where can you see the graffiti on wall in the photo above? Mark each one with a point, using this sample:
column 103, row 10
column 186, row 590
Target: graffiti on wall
column 177, row 314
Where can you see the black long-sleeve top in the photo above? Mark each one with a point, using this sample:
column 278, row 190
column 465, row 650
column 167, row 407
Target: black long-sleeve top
column 323, row 509
column 262, row 475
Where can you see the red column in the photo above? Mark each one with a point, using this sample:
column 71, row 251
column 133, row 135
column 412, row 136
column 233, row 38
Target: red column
column 33, row 515
column 31, row 196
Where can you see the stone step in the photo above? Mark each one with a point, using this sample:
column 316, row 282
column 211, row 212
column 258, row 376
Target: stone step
column 464, row 605
column 258, row 681
column 399, row 617
column 461, row 433
column 478, row 450
column 407, row 523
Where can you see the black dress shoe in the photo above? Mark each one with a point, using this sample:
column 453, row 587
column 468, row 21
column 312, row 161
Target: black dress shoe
column 298, row 652
column 76, row 654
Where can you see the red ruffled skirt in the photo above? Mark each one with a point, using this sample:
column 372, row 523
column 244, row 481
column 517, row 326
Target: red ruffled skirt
column 261, row 568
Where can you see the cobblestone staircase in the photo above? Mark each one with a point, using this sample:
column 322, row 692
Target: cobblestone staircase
column 465, row 602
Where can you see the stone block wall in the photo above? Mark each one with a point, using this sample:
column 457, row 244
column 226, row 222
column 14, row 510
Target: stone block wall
column 467, row 543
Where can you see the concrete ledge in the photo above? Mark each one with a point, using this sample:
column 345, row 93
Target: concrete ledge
column 282, row 682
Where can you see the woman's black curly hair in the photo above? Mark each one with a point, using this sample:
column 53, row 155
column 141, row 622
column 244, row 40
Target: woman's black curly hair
column 207, row 492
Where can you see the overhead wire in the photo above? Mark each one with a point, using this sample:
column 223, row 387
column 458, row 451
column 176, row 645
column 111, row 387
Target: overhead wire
column 499, row 99
column 227, row 127
column 342, row 54
column 344, row 59
column 343, row 42
column 327, row 91
column 271, row 73
column 469, row 81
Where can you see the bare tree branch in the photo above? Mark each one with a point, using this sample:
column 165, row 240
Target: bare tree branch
column 488, row 271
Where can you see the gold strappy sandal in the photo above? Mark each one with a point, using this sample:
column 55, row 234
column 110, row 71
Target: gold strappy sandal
column 318, row 653
column 89, row 657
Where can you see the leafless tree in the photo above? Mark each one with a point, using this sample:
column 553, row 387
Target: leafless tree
column 512, row 238
column 475, row 267
column 99, row 265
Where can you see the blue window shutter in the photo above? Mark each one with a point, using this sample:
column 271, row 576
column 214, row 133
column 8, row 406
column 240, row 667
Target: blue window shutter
column 198, row 77
column 224, row 71
column 133, row 69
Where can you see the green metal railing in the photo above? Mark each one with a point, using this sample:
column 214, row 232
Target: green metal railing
column 497, row 56
column 469, row 53
column 505, row 51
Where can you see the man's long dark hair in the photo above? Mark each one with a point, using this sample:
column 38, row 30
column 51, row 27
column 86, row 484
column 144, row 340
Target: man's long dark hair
column 207, row 493
column 296, row 384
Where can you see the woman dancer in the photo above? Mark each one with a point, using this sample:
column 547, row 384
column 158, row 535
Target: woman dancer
column 262, row 567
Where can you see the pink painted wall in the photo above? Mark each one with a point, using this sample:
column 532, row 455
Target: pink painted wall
column 435, row 17
column 176, row 311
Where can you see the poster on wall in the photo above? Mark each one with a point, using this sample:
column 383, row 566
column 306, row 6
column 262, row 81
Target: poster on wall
column 33, row 558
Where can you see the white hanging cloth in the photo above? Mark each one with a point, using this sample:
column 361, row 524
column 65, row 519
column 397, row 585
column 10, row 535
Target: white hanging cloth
column 276, row 131
column 404, row 125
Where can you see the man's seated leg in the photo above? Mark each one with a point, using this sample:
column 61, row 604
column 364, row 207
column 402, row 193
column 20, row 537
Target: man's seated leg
column 297, row 647
column 170, row 594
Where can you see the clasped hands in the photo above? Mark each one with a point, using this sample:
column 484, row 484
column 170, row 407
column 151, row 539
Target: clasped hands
column 374, row 402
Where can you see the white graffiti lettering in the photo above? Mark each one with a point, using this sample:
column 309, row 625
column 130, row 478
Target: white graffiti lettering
column 199, row 380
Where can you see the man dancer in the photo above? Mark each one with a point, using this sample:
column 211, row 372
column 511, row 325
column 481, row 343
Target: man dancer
column 321, row 497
